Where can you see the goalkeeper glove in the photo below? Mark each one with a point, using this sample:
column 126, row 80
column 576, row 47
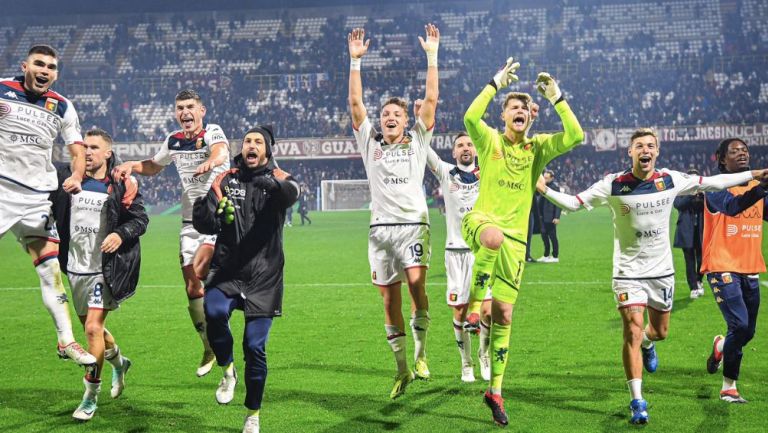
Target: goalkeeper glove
column 547, row 86
column 506, row 75
column 226, row 210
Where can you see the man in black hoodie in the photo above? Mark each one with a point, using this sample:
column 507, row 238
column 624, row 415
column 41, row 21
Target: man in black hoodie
column 99, row 230
column 245, row 207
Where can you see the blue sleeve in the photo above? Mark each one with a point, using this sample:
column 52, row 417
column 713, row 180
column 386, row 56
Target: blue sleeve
column 729, row 204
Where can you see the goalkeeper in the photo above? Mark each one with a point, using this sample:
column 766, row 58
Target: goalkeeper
column 497, row 227
column 245, row 207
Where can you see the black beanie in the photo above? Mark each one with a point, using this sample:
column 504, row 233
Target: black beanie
column 269, row 136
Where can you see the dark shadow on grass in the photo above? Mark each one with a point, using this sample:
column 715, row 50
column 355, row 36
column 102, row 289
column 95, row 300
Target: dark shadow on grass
column 141, row 415
column 364, row 414
column 681, row 304
column 716, row 414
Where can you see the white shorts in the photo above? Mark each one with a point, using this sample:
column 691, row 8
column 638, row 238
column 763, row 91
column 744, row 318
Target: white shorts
column 394, row 248
column 189, row 241
column 656, row 293
column 458, row 268
column 26, row 213
column 90, row 292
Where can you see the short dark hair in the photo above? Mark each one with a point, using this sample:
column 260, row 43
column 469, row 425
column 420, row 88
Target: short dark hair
column 189, row 94
column 98, row 132
column 722, row 150
column 644, row 132
column 459, row 135
column 43, row 49
column 550, row 172
column 397, row 101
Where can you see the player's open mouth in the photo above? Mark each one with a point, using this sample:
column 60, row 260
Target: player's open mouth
column 645, row 159
column 187, row 122
column 40, row 80
column 742, row 160
column 519, row 121
column 251, row 157
column 391, row 124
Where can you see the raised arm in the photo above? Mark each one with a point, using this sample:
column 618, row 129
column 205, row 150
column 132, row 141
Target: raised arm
column 357, row 50
column 473, row 118
column 572, row 134
column 430, row 46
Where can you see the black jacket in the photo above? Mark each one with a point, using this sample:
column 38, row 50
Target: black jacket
column 547, row 209
column 125, row 216
column 690, row 219
column 248, row 258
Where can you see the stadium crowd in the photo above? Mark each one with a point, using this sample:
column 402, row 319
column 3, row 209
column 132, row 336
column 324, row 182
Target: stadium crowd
column 285, row 70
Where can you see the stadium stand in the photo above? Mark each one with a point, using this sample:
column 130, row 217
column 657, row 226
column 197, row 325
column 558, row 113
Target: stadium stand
column 622, row 63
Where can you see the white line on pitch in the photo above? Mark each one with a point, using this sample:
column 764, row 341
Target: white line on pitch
column 431, row 283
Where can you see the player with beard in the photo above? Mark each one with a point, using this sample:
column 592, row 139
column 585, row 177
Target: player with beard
column 245, row 207
column 100, row 229
column 200, row 152
column 641, row 199
column 732, row 259
column 399, row 238
column 31, row 117
column 460, row 184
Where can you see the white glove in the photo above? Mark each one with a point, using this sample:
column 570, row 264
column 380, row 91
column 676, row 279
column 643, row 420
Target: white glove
column 547, row 86
column 506, row 75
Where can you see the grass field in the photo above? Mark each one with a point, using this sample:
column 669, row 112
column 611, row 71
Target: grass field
column 331, row 369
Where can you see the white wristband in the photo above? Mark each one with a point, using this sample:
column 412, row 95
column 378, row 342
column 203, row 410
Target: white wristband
column 432, row 59
column 354, row 64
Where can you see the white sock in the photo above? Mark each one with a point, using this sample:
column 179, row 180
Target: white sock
column 197, row 314
column 55, row 298
column 463, row 342
column 485, row 337
column 647, row 343
column 728, row 384
column 720, row 345
column 419, row 327
column 92, row 390
column 396, row 340
column 495, row 390
column 114, row 357
column 635, row 388
column 229, row 369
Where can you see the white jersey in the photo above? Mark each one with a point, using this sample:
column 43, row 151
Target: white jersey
column 187, row 155
column 29, row 126
column 641, row 212
column 395, row 174
column 460, row 189
column 87, row 227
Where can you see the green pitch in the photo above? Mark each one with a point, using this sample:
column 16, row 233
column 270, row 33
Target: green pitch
column 331, row 369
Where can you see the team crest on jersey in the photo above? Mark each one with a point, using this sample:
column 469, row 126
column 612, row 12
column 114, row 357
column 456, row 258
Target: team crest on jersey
column 660, row 184
column 527, row 146
column 51, row 104
column 199, row 143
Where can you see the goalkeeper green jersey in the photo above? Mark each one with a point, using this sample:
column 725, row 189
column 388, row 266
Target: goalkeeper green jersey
column 509, row 171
